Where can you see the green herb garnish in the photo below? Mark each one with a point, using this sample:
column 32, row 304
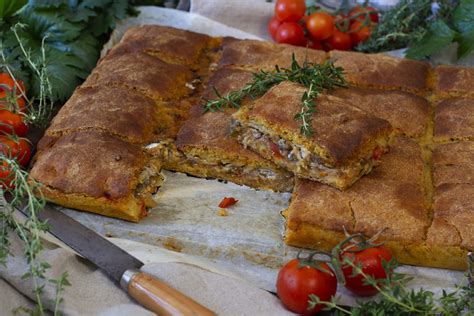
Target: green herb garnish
column 404, row 24
column 315, row 77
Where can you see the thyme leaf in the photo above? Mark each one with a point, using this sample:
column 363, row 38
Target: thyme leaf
column 317, row 78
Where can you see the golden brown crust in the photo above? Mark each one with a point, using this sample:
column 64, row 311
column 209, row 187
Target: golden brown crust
column 393, row 199
column 454, row 120
column 454, row 81
column 454, row 204
column 140, row 71
column 406, row 112
column 258, row 55
column 453, row 163
column 382, row 71
column 342, row 133
column 170, row 44
column 96, row 167
column 119, row 111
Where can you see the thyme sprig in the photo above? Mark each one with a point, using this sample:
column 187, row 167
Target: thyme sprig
column 396, row 298
column 24, row 192
column 317, row 78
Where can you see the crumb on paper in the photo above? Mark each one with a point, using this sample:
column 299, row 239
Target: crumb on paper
column 223, row 212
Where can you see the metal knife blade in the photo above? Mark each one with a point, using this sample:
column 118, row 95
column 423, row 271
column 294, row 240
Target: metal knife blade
column 120, row 266
column 108, row 257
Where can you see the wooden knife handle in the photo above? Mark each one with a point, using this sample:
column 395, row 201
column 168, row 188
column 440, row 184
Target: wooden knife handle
column 159, row 297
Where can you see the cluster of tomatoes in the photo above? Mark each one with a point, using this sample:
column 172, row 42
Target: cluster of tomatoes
column 321, row 30
column 12, row 127
column 301, row 278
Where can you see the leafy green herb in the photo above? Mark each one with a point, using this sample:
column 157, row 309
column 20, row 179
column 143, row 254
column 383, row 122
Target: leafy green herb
column 315, row 77
column 439, row 36
column 414, row 24
column 8, row 8
column 70, row 33
column 395, row 298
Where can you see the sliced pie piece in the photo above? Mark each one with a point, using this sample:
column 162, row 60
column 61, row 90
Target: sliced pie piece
column 406, row 112
column 454, row 120
column 382, row 71
column 454, row 81
column 345, row 145
column 97, row 172
column 119, row 111
column 150, row 75
column 260, row 55
column 205, row 148
column 391, row 198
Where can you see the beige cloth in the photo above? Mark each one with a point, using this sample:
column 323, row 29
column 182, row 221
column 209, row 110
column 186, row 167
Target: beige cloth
column 92, row 293
column 246, row 15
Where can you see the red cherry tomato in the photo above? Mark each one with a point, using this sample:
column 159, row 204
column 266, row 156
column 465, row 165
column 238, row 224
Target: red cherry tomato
column 295, row 283
column 290, row 33
column 290, row 10
column 18, row 149
column 340, row 41
column 359, row 32
column 320, row 25
column 370, row 260
column 7, row 82
column 6, row 176
column 273, row 26
column 12, row 123
column 360, row 13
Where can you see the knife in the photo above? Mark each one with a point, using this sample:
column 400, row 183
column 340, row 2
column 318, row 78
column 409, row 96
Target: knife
column 120, row 266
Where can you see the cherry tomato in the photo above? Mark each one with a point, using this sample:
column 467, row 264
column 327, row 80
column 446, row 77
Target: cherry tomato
column 359, row 32
column 15, row 148
column 273, row 26
column 227, row 201
column 296, row 283
column 340, row 41
column 12, row 123
column 320, row 25
column 370, row 259
column 6, row 176
column 290, row 33
column 360, row 13
column 290, row 10
column 7, row 82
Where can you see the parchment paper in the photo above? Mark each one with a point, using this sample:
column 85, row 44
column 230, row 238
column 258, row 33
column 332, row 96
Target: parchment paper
column 249, row 240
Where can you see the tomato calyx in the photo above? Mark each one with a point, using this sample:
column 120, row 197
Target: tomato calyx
column 310, row 261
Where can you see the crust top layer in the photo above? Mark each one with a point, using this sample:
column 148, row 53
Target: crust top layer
column 406, row 112
column 454, row 120
column 341, row 131
column 382, row 71
column 90, row 163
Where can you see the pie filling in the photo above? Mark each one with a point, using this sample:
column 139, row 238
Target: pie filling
column 149, row 181
column 174, row 157
column 300, row 160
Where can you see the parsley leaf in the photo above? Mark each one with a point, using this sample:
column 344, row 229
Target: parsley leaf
column 439, row 36
column 466, row 44
column 463, row 17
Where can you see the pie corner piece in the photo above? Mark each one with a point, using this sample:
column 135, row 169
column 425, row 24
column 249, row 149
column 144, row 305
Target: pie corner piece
column 392, row 197
column 346, row 142
column 99, row 173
